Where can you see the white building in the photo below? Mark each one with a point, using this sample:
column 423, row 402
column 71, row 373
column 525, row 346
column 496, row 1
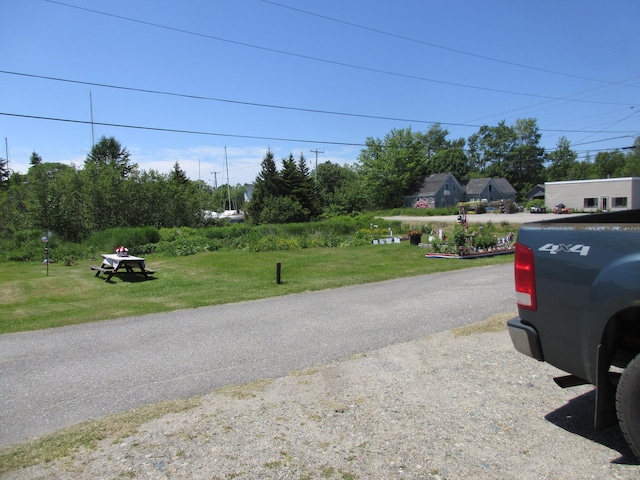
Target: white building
column 595, row 195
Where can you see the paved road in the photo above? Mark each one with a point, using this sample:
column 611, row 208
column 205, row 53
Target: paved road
column 496, row 218
column 55, row 378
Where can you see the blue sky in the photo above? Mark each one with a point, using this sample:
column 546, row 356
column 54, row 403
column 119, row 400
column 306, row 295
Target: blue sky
column 298, row 76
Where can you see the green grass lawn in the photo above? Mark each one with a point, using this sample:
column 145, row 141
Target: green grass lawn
column 69, row 295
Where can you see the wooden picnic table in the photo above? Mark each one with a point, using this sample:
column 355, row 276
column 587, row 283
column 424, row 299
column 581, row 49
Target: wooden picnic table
column 113, row 264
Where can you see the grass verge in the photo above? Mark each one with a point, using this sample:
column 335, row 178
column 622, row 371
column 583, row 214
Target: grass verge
column 495, row 323
column 86, row 435
column 69, row 295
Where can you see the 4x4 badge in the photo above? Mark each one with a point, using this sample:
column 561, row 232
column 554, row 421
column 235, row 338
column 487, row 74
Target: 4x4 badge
column 554, row 248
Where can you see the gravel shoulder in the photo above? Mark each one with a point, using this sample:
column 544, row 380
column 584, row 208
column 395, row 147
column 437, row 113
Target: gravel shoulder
column 440, row 407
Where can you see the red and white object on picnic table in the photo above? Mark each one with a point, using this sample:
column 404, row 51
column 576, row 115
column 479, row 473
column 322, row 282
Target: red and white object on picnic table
column 122, row 251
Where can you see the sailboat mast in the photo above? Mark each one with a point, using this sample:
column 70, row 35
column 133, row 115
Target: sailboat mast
column 226, row 162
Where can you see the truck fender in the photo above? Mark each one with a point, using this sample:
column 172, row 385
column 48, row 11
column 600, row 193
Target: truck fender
column 616, row 288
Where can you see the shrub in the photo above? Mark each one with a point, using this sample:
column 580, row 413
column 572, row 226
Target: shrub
column 108, row 240
column 283, row 210
column 485, row 241
column 184, row 249
column 459, row 236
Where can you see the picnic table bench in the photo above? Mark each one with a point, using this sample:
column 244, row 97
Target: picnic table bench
column 115, row 265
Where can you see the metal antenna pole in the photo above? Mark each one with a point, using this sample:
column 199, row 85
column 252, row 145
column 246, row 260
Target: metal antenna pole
column 93, row 140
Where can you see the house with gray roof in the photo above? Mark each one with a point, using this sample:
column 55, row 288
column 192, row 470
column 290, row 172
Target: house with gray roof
column 536, row 193
column 444, row 190
column 439, row 189
column 490, row 189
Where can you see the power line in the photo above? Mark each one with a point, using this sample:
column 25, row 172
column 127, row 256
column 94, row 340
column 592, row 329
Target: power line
column 223, row 100
column 318, row 59
column 611, row 124
column 230, row 135
column 262, row 105
column 441, row 47
column 174, row 130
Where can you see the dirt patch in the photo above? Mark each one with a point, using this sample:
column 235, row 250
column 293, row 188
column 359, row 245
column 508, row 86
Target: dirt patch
column 443, row 407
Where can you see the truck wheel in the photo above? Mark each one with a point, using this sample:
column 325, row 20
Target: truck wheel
column 628, row 405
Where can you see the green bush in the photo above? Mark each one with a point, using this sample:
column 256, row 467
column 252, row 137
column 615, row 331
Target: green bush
column 184, row 249
column 334, row 232
column 485, row 241
column 459, row 236
column 283, row 210
column 109, row 240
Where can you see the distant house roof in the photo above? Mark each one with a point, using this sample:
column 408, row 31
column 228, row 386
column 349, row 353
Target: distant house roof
column 504, row 186
column 433, row 183
column 536, row 192
column 477, row 185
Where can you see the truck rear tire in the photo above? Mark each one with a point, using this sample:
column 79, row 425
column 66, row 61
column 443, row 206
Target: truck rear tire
column 628, row 405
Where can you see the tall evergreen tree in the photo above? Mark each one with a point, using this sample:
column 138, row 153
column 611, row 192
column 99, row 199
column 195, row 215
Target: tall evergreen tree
column 35, row 159
column 267, row 184
column 178, row 175
column 308, row 194
column 291, row 178
column 182, row 198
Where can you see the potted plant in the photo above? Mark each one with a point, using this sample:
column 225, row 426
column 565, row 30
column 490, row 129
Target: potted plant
column 415, row 237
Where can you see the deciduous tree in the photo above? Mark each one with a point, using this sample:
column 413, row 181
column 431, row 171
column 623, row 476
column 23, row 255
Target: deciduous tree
column 562, row 161
column 109, row 200
column 392, row 167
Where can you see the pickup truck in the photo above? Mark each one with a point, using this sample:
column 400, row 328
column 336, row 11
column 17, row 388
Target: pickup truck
column 577, row 282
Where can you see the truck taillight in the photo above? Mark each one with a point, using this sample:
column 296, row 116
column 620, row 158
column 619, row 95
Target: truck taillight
column 525, row 276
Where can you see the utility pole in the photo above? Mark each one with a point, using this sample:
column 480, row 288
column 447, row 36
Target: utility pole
column 316, row 152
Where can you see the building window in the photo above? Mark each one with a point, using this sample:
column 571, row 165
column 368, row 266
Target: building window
column 619, row 202
column 591, row 202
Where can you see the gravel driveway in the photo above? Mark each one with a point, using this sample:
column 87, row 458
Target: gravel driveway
column 440, row 407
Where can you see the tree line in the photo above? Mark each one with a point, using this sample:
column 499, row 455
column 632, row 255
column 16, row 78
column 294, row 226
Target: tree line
column 110, row 190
